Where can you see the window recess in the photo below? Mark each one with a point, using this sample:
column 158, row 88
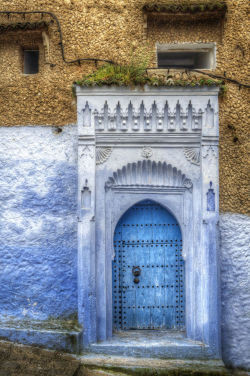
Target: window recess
column 178, row 56
column 31, row 61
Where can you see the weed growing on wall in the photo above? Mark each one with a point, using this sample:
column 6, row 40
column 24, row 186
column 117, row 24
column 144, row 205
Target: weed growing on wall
column 136, row 73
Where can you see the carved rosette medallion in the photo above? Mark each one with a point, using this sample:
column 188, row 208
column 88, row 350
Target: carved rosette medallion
column 102, row 154
column 192, row 155
column 147, row 152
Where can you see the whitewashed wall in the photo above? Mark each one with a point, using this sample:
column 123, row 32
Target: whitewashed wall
column 38, row 237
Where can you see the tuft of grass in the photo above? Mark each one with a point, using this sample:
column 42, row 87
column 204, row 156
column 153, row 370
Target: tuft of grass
column 110, row 74
column 136, row 75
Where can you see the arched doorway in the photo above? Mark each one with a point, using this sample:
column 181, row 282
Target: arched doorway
column 148, row 270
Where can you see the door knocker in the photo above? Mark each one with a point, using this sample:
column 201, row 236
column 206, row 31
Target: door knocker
column 136, row 270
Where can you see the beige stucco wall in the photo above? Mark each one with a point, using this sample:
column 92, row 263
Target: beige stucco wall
column 109, row 29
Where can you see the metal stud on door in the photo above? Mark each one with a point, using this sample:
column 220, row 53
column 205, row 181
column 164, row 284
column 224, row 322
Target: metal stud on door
column 148, row 270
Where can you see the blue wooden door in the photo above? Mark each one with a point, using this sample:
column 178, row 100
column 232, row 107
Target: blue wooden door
column 148, row 270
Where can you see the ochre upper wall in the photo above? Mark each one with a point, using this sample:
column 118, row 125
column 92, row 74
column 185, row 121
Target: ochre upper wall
column 110, row 29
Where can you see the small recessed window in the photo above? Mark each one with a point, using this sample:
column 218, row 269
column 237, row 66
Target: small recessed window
column 30, row 61
column 196, row 56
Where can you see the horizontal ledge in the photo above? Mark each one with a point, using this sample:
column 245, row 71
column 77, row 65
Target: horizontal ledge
column 140, row 144
column 152, row 139
column 151, row 189
column 189, row 15
column 146, row 90
column 23, row 26
column 169, row 134
column 56, row 339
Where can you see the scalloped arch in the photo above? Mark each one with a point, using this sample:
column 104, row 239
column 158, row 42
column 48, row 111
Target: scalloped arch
column 149, row 173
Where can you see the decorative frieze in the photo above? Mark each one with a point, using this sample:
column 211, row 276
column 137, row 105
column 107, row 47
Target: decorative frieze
column 154, row 118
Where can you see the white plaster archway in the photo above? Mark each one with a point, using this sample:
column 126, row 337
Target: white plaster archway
column 110, row 145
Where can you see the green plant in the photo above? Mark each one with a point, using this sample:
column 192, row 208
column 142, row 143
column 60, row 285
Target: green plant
column 135, row 73
column 132, row 74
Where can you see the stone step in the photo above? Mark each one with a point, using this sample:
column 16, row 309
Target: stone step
column 118, row 365
column 160, row 352
column 55, row 339
column 152, row 344
column 23, row 360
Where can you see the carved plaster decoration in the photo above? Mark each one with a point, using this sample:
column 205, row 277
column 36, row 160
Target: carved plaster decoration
column 102, row 154
column 209, row 115
column 148, row 173
column 192, row 155
column 209, row 151
column 85, row 196
column 156, row 119
column 210, row 198
column 188, row 184
column 86, row 116
column 87, row 152
column 147, row 152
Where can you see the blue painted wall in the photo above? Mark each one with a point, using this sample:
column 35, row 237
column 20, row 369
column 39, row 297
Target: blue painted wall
column 38, row 238
column 38, row 223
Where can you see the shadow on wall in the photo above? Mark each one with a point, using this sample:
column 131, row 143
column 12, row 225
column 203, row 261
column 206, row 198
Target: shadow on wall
column 38, row 239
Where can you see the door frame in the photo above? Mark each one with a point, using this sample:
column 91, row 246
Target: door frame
column 175, row 200
column 189, row 143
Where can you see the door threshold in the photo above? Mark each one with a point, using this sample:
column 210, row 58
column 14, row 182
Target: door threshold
column 161, row 344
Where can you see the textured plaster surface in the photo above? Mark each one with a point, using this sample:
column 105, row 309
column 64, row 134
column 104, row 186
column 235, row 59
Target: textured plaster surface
column 38, row 243
column 235, row 288
column 38, row 227
column 107, row 29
